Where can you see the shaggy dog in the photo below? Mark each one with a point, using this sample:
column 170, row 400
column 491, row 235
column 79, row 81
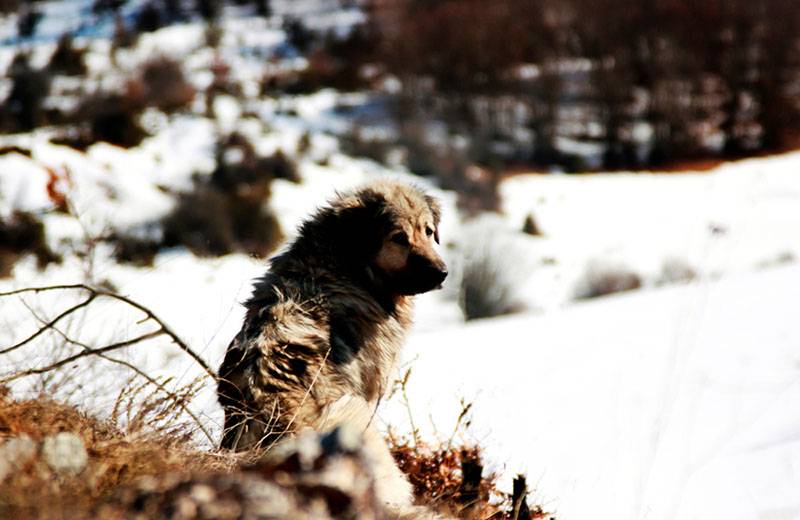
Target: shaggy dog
column 325, row 324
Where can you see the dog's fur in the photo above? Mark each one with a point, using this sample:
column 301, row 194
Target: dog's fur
column 325, row 324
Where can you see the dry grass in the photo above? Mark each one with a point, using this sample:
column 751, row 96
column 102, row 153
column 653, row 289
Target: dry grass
column 143, row 448
column 447, row 478
column 117, row 456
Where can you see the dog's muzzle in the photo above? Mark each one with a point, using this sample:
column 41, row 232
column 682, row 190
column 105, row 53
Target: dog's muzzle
column 428, row 274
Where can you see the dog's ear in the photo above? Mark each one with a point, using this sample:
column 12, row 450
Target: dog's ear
column 436, row 211
column 363, row 221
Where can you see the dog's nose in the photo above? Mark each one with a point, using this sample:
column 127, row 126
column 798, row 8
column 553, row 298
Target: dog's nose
column 439, row 275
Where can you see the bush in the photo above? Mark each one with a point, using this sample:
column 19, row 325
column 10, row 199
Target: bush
column 208, row 9
column 601, row 280
column 675, row 270
column 490, row 272
column 356, row 145
column 297, row 34
column 67, row 59
column 108, row 117
column 450, row 479
column 210, row 222
column 9, row 6
column 23, row 110
column 447, row 158
column 100, row 7
column 224, row 213
column 530, row 227
column 22, row 233
column 149, row 18
column 162, row 84
column 240, row 169
column 134, row 249
column 28, row 19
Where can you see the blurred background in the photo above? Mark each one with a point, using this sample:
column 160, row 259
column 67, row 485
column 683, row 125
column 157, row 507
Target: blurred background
column 621, row 185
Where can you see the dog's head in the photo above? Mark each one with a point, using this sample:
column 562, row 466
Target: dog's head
column 387, row 230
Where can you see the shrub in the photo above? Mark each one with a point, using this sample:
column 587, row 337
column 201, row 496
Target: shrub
column 601, row 280
column 212, row 222
column 108, row 117
column 208, row 9
column 134, row 249
column 9, row 6
column 67, row 59
column 23, row 109
column 530, row 227
column 450, row 478
column 20, row 234
column 28, row 19
column 297, row 34
column 123, row 37
column 279, row 166
column 240, row 169
column 163, row 85
column 490, row 272
column 100, row 7
column 149, row 18
column 356, row 145
column 431, row 152
column 201, row 221
column 675, row 270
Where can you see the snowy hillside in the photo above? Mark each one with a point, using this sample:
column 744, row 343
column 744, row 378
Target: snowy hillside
column 676, row 399
column 674, row 403
column 660, row 403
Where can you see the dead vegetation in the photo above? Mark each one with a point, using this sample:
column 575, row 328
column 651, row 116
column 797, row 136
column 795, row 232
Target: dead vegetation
column 20, row 234
column 117, row 456
column 141, row 459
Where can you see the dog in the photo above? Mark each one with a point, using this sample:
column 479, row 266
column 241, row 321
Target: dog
column 324, row 326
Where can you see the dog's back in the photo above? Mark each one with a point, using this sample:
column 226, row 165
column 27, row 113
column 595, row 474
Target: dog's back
column 298, row 353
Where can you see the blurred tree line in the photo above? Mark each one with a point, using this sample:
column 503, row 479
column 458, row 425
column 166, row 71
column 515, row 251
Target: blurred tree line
column 596, row 83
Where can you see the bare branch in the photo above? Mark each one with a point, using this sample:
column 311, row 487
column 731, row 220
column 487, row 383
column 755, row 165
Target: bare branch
column 93, row 294
column 75, row 357
column 174, row 397
column 50, row 324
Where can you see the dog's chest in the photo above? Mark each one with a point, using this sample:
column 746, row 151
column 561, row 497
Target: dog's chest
column 364, row 352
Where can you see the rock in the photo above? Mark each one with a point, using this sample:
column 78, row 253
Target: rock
column 65, row 453
column 15, row 453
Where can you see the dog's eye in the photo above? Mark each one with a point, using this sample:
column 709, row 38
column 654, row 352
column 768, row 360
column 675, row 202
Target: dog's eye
column 400, row 238
column 429, row 231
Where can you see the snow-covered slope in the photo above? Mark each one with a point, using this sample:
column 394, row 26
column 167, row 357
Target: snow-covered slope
column 669, row 402
column 675, row 403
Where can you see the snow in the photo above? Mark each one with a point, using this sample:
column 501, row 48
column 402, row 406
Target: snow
column 674, row 403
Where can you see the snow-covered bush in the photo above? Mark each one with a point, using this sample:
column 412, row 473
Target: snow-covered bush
column 601, row 279
column 491, row 270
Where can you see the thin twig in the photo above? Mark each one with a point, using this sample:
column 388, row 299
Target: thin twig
column 75, row 357
column 175, row 398
column 49, row 325
column 407, row 403
column 94, row 293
